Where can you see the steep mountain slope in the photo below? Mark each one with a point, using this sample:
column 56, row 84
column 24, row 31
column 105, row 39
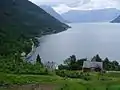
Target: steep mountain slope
column 101, row 15
column 21, row 20
column 117, row 20
column 52, row 12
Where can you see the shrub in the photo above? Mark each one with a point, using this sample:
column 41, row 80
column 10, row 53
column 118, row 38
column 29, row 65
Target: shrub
column 21, row 67
column 73, row 74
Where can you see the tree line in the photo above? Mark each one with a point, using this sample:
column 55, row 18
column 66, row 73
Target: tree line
column 16, row 65
column 72, row 63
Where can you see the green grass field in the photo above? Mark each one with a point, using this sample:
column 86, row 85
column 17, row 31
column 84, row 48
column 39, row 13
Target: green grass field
column 108, row 81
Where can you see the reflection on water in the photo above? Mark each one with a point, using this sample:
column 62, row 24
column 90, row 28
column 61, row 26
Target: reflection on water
column 31, row 87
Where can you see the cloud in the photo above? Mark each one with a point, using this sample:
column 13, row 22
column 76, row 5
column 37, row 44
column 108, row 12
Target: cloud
column 62, row 6
column 53, row 1
column 78, row 3
column 88, row 5
column 98, row 4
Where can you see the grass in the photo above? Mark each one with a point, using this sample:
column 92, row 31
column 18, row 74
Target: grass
column 11, row 79
column 108, row 81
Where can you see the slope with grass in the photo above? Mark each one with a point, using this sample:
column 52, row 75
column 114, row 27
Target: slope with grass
column 106, row 81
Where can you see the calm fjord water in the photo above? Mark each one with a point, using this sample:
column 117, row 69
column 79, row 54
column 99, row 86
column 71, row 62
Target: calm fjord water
column 83, row 40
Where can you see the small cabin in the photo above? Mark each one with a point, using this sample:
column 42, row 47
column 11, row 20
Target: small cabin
column 92, row 66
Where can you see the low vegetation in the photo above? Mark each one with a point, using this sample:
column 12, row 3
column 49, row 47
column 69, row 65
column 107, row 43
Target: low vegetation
column 20, row 79
column 19, row 66
column 97, row 81
column 72, row 70
column 73, row 74
column 67, row 79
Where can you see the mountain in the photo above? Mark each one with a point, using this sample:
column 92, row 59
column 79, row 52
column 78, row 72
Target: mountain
column 101, row 15
column 116, row 20
column 21, row 21
column 52, row 12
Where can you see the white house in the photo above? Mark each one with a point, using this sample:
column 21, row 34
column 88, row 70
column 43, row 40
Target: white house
column 92, row 65
column 50, row 65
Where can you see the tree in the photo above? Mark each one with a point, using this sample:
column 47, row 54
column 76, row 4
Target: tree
column 38, row 60
column 71, row 62
column 111, row 65
column 106, row 64
column 97, row 58
column 62, row 67
column 80, row 62
column 73, row 58
column 67, row 61
column 115, row 65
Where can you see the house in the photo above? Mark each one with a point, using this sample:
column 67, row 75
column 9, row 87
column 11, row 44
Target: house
column 50, row 65
column 92, row 66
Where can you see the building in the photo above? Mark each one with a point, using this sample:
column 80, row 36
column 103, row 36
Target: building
column 92, row 66
column 50, row 65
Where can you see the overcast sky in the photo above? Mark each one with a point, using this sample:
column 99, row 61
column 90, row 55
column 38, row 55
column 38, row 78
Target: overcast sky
column 62, row 6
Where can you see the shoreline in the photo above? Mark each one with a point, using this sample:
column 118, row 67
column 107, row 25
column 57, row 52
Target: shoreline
column 34, row 47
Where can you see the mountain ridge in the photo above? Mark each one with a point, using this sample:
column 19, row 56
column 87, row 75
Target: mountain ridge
column 116, row 20
column 100, row 15
column 52, row 12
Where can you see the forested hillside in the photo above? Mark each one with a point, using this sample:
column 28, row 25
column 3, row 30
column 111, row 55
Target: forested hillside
column 52, row 12
column 21, row 20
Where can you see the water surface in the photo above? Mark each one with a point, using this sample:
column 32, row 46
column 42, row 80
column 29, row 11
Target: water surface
column 82, row 40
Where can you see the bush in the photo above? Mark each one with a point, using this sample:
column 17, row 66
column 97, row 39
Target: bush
column 87, row 78
column 21, row 67
column 73, row 74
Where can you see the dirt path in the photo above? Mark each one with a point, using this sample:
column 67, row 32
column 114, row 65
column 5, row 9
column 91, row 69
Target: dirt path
column 34, row 87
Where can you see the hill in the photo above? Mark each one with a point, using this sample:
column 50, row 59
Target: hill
column 52, row 12
column 20, row 21
column 116, row 20
column 101, row 15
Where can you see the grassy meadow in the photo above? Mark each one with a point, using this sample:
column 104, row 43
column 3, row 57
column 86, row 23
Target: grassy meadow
column 107, row 81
